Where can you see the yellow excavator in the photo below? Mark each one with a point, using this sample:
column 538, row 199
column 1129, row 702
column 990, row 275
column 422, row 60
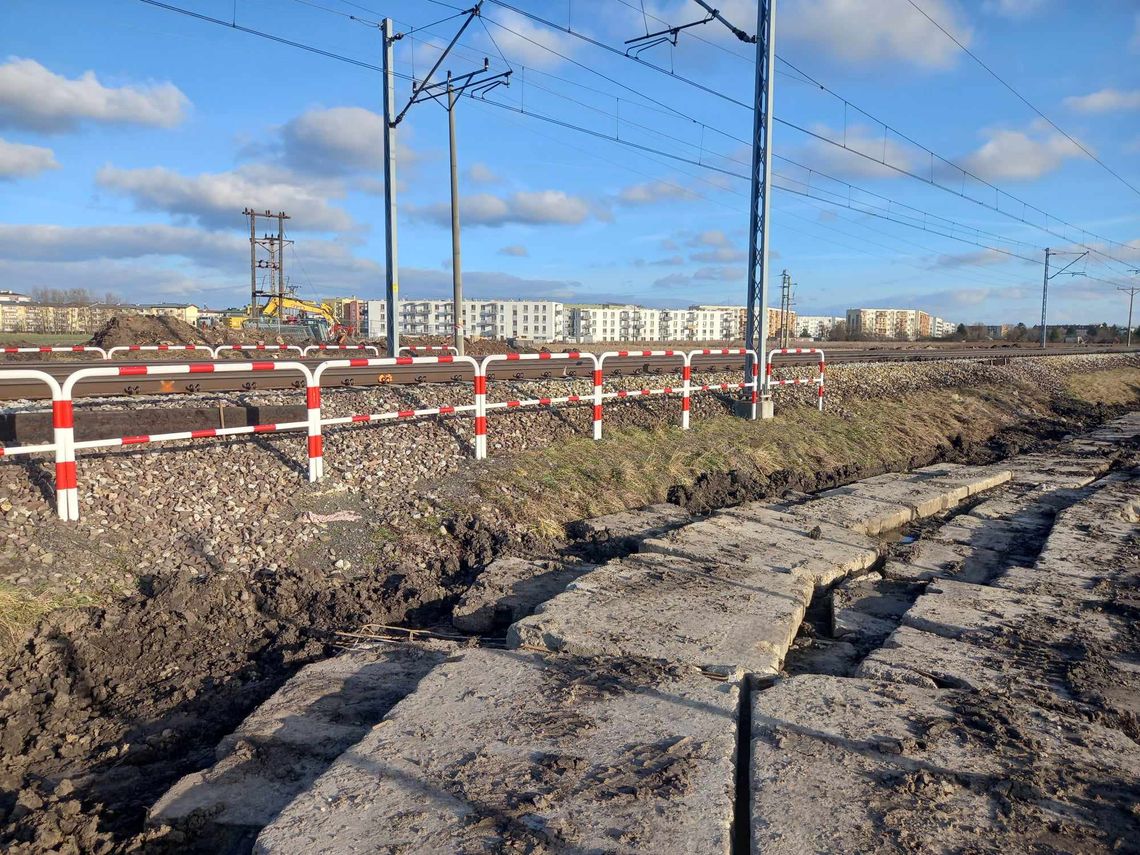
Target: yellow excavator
column 300, row 317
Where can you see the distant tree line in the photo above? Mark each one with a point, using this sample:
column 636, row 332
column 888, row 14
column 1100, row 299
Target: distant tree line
column 1092, row 333
column 72, row 296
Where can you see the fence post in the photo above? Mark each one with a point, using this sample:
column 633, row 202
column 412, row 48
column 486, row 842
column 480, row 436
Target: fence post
column 481, row 409
column 686, row 389
column 316, row 441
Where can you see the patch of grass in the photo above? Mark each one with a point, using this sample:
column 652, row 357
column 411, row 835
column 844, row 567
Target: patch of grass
column 578, row 478
column 1115, row 386
column 20, row 609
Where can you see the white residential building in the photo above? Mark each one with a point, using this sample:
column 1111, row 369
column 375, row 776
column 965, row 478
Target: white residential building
column 535, row 320
column 816, row 327
column 703, row 323
column 613, row 322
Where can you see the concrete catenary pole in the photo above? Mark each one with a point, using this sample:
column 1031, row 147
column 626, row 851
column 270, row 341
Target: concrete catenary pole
column 391, row 272
column 1045, row 300
column 456, row 262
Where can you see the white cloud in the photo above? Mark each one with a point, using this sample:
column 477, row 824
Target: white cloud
column 481, row 173
column 22, row 161
column 1020, row 155
column 721, row 255
column 35, row 98
column 217, row 199
column 977, row 258
column 863, row 33
column 340, row 141
column 529, row 43
column 542, row 207
column 1013, row 8
column 515, row 250
column 712, row 237
column 1105, row 101
column 141, row 261
column 652, row 192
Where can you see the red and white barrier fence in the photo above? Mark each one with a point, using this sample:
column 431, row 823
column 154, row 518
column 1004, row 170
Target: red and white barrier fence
column 481, row 394
column 245, row 348
column 316, row 422
column 428, row 349
column 159, row 348
column 341, row 347
column 71, row 348
column 64, row 445
column 817, row 381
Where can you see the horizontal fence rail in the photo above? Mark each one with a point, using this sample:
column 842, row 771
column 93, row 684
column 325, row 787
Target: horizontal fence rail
column 71, row 348
column 322, row 348
column 420, row 349
column 159, row 348
column 243, row 348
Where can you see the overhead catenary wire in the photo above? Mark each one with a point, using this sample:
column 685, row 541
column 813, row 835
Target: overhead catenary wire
column 965, row 173
column 570, row 125
column 1023, row 99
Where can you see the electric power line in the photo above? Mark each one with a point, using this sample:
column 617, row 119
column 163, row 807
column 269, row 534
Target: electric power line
column 1023, row 99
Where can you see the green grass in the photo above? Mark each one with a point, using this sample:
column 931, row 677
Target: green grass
column 20, row 609
column 630, row 467
column 10, row 339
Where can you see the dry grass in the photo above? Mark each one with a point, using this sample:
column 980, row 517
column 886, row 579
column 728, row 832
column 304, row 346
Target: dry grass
column 19, row 611
column 1116, row 386
column 580, row 478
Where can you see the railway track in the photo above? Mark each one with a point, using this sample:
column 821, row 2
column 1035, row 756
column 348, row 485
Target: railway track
column 103, row 387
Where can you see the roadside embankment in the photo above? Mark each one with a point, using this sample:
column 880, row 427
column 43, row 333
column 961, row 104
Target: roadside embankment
column 214, row 571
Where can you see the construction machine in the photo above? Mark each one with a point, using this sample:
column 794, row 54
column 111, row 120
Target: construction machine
column 295, row 318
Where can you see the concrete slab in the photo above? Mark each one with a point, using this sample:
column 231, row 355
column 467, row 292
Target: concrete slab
column 931, row 559
column 756, row 533
column 923, row 659
column 841, row 507
column 728, row 619
column 1057, row 470
column 509, row 589
column 960, row 481
column 995, row 535
column 289, row 741
column 506, row 751
column 621, row 533
column 852, row 766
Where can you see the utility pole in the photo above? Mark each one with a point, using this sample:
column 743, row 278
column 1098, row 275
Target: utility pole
column 1045, row 286
column 448, row 93
column 273, row 247
column 759, row 209
column 420, row 92
column 1131, row 292
column 456, row 257
column 785, row 300
column 392, row 265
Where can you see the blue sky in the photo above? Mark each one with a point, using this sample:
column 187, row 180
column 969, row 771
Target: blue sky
column 132, row 137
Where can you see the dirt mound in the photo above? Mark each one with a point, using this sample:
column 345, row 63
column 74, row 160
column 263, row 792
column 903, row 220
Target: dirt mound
column 138, row 329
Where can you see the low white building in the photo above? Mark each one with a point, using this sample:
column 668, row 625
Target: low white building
column 613, row 322
column 535, row 320
column 816, row 327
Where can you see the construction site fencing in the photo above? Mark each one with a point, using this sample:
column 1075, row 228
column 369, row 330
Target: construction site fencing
column 420, row 349
column 159, row 348
column 817, row 381
column 341, row 347
column 243, row 348
column 71, row 348
column 64, row 446
column 316, row 422
column 481, row 392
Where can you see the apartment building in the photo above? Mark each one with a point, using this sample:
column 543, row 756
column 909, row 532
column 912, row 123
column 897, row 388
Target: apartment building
column 23, row 316
column 903, row 324
column 536, row 320
column 816, row 327
column 612, row 322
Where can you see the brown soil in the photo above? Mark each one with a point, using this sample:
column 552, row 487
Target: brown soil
column 136, row 329
column 104, row 708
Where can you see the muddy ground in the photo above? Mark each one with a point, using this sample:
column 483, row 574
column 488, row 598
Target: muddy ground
column 103, row 709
